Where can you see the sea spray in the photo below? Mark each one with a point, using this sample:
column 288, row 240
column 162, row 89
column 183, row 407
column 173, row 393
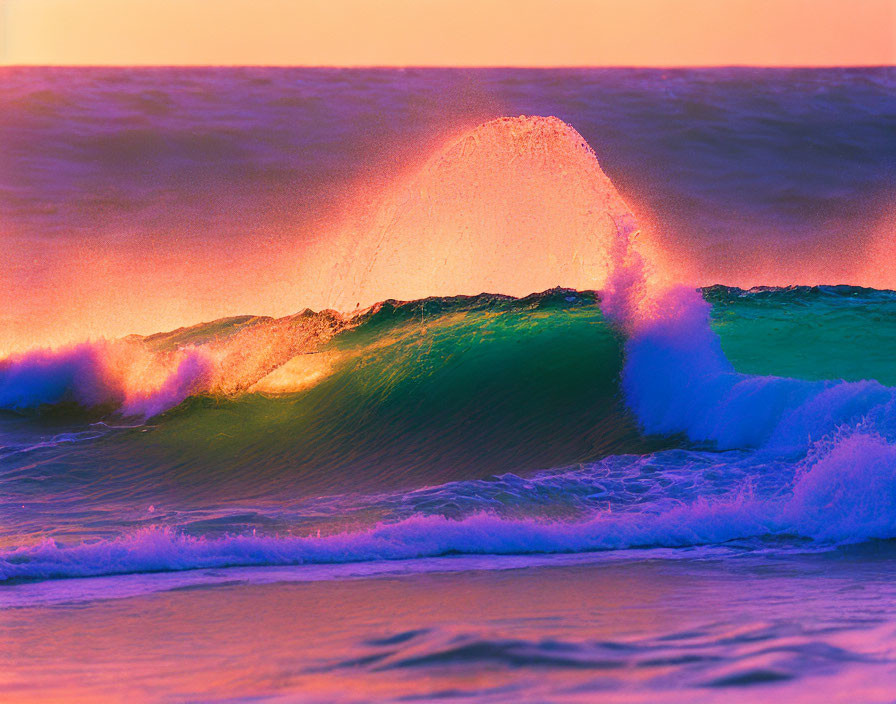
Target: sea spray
column 137, row 376
column 513, row 206
column 677, row 379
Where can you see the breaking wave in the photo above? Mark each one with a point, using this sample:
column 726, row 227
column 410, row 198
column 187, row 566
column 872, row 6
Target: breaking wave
column 416, row 429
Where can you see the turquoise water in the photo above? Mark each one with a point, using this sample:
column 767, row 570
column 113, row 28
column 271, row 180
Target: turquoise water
column 824, row 332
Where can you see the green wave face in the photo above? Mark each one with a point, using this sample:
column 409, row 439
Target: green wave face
column 418, row 394
column 819, row 332
column 428, row 392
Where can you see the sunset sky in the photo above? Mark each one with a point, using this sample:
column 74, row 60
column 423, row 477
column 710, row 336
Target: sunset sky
column 449, row 32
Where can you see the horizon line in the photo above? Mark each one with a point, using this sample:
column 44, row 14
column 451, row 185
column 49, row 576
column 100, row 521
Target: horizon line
column 461, row 67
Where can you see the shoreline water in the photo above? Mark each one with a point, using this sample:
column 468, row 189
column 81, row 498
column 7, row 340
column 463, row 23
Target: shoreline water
column 678, row 630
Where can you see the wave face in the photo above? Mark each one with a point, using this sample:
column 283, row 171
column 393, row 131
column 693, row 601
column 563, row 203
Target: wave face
column 646, row 415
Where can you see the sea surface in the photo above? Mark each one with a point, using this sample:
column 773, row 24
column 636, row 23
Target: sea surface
column 328, row 385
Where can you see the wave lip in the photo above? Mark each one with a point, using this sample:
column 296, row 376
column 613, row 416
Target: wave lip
column 137, row 376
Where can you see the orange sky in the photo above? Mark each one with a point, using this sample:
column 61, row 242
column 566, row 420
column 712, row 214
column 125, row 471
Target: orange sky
column 449, row 32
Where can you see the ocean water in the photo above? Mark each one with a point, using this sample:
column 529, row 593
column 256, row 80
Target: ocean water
column 598, row 403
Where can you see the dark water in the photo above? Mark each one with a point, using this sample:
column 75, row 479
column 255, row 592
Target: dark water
column 646, row 493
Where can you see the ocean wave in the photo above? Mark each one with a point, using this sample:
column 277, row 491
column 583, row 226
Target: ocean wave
column 677, row 379
column 538, row 380
column 420, row 536
column 752, row 329
column 413, row 403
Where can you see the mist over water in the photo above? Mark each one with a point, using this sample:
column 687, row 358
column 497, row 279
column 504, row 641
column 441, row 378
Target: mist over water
column 151, row 199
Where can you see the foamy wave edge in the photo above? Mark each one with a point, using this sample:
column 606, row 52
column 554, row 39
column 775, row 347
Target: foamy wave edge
column 846, row 496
